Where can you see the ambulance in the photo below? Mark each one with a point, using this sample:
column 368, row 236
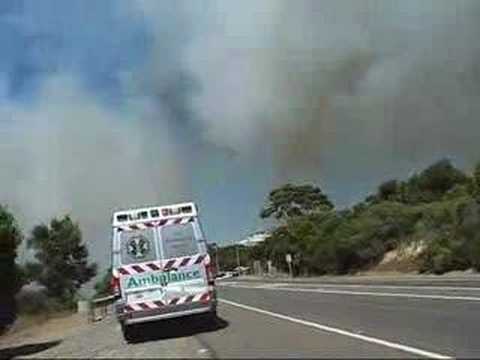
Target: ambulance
column 161, row 266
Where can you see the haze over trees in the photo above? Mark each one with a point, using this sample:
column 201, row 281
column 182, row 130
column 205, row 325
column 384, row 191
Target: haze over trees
column 438, row 210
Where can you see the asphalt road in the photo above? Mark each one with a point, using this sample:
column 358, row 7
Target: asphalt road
column 278, row 320
column 459, row 280
column 393, row 321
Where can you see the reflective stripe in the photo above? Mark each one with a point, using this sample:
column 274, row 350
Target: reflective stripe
column 151, row 305
column 174, row 301
column 151, row 224
column 199, row 259
column 189, row 298
column 153, row 266
column 185, row 261
column 162, row 265
column 138, row 268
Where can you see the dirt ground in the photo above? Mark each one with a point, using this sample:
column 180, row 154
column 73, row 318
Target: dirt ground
column 38, row 329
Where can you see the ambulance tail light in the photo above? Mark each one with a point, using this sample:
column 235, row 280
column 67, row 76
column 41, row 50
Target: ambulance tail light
column 208, row 297
column 210, row 270
column 115, row 286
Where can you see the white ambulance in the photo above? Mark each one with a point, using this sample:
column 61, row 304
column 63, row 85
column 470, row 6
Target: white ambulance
column 161, row 267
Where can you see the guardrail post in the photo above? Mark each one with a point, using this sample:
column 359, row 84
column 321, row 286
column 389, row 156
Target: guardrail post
column 100, row 307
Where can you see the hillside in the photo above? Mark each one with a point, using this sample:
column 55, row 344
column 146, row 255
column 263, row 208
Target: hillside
column 428, row 223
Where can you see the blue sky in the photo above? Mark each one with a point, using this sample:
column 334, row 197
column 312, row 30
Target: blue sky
column 88, row 38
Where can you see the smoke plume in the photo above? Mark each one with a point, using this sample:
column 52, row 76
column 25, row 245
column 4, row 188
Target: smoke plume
column 67, row 153
column 137, row 107
column 350, row 87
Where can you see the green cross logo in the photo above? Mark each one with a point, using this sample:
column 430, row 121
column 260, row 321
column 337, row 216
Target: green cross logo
column 138, row 247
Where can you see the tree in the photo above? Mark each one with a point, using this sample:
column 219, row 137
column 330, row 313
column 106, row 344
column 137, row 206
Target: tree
column 469, row 230
column 440, row 178
column 476, row 180
column 63, row 256
column 292, row 200
column 388, row 190
column 10, row 277
column 30, row 271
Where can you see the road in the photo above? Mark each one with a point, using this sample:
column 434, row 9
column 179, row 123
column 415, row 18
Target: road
column 394, row 320
column 278, row 320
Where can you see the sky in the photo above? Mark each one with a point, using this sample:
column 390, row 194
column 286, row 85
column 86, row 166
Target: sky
column 114, row 104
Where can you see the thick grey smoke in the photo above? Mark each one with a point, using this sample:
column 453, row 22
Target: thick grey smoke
column 345, row 87
column 68, row 150
column 342, row 92
column 68, row 153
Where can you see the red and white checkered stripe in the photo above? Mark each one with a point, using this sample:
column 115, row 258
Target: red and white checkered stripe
column 152, row 305
column 163, row 265
column 152, row 224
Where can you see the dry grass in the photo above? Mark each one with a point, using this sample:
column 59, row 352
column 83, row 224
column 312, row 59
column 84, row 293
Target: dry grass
column 42, row 328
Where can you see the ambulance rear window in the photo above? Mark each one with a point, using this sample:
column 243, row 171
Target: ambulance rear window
column 137, row 246
column 178, row 241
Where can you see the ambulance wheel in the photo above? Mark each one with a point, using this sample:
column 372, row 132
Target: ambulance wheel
column 128, row 333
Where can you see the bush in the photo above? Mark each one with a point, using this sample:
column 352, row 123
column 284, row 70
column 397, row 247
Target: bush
column 469, row 232
column 36, row 302
column 32, row 302
column 388, row 190
column 440, row 178
column 475, row 253
column 438, row 258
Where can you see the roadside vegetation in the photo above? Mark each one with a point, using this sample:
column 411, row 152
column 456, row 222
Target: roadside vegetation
column 62, row 265
column 10, row 273
column 436, row 210
column 60, row 268
column 103, row 286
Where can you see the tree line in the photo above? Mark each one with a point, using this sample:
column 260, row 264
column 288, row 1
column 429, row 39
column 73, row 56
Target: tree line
column 61, row 265
column 438, row 209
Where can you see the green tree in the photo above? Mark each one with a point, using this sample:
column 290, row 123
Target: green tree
column 440, row 178
column 469, row 231
column 229, row 260
column 278, row 244
column 433, row 208
column 476, row 180
column 30, row 271
column 388, row 190
column 63, row 256
column 10, row 276
column 295, row 200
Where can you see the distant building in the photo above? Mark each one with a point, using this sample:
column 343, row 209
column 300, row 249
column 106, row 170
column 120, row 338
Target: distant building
column 255, row 239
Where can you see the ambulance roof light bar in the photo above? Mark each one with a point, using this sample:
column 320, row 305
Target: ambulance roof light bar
column 126, row 217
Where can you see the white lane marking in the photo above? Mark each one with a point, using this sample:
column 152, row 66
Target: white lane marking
column 440, row 288
column 268, row 286
column 366, row 293
column 369, row 339
column 252, row 286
